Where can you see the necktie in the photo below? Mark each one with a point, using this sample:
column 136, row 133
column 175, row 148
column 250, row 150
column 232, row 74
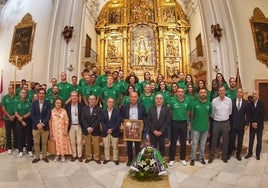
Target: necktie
column 239, row 104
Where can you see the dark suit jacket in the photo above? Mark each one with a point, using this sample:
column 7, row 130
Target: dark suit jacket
column 141, row 112
column 91, row 120
column 113, row 123
column 256, row 114
column 40, row 117
column 163, row 122
column 68, row 108
column 239, row 119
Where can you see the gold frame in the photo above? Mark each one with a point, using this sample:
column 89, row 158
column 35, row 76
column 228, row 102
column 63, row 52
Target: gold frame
column 128, row 123
column 22, row 42
column 259, row 23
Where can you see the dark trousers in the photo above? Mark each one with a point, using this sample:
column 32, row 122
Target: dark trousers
column 130, row 150
column 158, row 142
column 220, row 129
column 178, row 128
column 10, row 127
column 24, row 133
column 240, row 135
column 252, row 133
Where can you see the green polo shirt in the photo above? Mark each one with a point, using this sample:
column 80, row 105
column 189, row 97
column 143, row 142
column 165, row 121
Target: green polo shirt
column 8, row 102
column 86, row 90
column 201, row 111
column 102, row 80
column 51, row 99
column 125, row 100
column 231, row 93
column 49, row 91
column 181, row 84
column 179, row 109
column 112, row 92
column 96, row 90
column 76, row 88
column 64, row 90
column 191, row 98
column 123, row 85
column 30, row 95
column 82, row 82
column 22, row 107
column 147, row 101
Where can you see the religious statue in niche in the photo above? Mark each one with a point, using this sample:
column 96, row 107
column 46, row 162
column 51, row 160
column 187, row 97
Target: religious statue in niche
column 142, row 10
column 172, row 46
column 169, row 15
column 112, row 50
column 142, row 45
column 114, row 16
column 143, row 51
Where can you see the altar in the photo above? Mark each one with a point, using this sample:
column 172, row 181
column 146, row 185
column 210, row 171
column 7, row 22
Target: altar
column 143, row 35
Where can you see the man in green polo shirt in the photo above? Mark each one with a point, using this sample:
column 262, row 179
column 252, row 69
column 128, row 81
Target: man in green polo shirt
column 110, row 91
column 8, row 103
column 232, row 90
column 22, row 110
column 201, row 110
column 180, row 108
column 102, row 79
column 64, row 88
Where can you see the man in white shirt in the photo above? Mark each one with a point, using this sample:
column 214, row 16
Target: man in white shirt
column 221, row 110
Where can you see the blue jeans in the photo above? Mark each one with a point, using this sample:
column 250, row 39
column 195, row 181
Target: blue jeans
column 202, row 136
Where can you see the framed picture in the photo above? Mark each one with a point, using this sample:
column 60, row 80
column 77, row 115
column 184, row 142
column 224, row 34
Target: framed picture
column 259, row 27
column 132, row 130
column 22, row 42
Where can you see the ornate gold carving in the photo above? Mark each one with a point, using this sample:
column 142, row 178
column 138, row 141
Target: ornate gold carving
column 143, row 35
column 259, row 26
column 22, row 42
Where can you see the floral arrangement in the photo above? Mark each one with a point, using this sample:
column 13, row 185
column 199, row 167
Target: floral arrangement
column 149, row 165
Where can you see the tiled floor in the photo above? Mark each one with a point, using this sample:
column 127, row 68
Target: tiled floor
column 20, row 172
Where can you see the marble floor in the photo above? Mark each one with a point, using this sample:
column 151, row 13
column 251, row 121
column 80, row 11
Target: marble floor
column 20, row 172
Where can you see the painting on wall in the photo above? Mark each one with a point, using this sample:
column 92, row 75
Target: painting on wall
column 259, row 26
column 22, row 42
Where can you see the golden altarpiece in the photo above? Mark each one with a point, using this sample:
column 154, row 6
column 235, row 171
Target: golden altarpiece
column 143, row 35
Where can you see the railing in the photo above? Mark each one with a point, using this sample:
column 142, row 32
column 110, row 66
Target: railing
column 197, row 53
column 90, row 54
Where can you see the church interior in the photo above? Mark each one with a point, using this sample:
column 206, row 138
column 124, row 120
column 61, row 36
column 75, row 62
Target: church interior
column 40, row 39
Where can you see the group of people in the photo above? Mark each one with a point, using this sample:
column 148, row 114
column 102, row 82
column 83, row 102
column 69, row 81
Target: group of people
column 97, row 106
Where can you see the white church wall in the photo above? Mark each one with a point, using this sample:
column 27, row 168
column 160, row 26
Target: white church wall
column 11, row 15
column 250, row 67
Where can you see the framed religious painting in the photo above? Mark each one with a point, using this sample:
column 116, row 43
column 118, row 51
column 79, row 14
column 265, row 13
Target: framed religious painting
column 22, row 42
column 259, row 26
column 132, row 130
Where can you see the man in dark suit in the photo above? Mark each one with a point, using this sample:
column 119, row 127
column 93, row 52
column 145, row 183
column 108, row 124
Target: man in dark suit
column 74, row 111
column 238, row 123
column 91, row 129
column 111, row 120
column 158, row 120
column 134, row 111
column 256, row 120
column 40, row 114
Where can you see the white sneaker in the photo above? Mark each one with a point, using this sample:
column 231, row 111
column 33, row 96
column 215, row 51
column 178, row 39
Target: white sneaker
column 9, row 152
column 20, row 154
column 62, row 158
column 171, row 163
column 30, row 154
column 56, row 158
column 183, row 162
